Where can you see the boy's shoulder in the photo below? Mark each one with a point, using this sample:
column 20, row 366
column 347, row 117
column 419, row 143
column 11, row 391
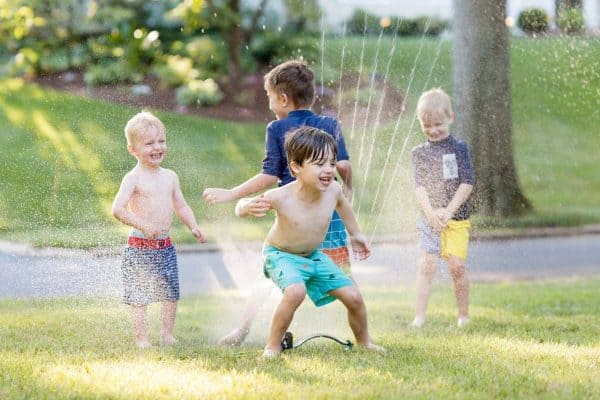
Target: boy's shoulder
column 420, row 148
column 304, row 117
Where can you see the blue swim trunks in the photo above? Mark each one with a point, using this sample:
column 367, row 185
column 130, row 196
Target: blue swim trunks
column 318, row 272
column 149, row 271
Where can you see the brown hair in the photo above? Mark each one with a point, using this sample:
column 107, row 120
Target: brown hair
column 295, row 79
column 309, row 144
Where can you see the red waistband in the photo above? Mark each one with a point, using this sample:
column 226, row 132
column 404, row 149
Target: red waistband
column 143, row 243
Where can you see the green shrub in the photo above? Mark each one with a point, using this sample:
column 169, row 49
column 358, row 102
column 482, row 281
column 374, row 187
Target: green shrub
column 208, row 57
column 533, row 20
column 56, row 60
column 362, row 21
column 199, row 92
column 112, row 72
column 570, row 20
column 176, row 71
column 276, row 47
column 430, row 26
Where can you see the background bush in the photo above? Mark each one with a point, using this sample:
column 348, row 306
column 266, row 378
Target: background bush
column 570, row 20
column 533, row 20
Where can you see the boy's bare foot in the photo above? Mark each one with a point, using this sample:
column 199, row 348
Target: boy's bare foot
column 143, row 344
column 463, row 321
column 234, row 338
column 418, row 322
column 169, row 340
column 270, row 353
column 375, row 348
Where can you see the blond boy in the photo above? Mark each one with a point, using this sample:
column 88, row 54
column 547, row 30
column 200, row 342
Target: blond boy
column 444, row 181
column 291, row 257
column 147, row 199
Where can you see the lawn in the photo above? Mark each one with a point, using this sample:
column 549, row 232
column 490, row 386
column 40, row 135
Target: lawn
column 526, row 340
column 67, row 154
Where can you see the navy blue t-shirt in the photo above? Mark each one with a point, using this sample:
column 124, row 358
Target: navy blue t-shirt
column 440, row 167
column 275, row 161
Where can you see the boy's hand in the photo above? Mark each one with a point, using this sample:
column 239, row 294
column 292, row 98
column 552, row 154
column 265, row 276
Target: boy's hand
column 199, row 235
column 360, row 247
column 217, row 195
column 444, row 215
column 437, row 224
column 257, row 207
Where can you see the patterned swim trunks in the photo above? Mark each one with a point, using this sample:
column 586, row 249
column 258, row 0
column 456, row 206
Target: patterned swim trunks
column 149, row 272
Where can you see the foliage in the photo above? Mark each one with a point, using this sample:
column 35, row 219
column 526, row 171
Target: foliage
column 273, row 47
column 208, row 57
column 526, row 340
column 111, row 72
column 570, row 20
column 176, row 70
column 533, row 20
column 362, row 21
column 302, row 16
column 199, row 92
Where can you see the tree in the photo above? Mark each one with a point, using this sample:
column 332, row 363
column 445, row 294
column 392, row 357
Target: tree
column 482, row 104
column 227, row 17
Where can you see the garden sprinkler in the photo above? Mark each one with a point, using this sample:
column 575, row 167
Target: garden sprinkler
column 288, row 341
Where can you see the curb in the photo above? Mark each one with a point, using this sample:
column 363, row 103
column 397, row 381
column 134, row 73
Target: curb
column 477, row 235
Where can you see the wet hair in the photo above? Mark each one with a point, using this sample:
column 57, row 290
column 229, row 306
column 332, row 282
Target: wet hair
column 309, row 144
column 432, row 102
column 141, row 123
column 295, row 79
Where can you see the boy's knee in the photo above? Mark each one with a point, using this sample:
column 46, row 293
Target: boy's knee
column 295, row 293
column 427, row 266
column 457, row 270
column 353, row 298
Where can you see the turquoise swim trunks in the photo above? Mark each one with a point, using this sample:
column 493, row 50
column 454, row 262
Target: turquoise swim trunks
column 318, row 272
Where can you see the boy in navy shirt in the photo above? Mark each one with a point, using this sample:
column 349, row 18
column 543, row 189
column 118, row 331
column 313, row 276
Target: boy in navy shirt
column 291, row 91
column 444, row 182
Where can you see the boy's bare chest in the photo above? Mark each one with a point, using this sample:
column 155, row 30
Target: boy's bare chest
column 158, row 189
column 308, row 216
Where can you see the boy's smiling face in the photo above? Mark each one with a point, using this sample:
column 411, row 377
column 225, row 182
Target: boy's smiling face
column 436, row 125
column 149, row 148
column 318, row 173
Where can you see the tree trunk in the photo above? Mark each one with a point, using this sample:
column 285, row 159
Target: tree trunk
column 482, row 104
column 235, row 38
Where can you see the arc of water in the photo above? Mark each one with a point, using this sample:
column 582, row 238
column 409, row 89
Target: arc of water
column 397, row 124
column 322, row 53
column 339, row 108
column 378, row 117
column 371, row 91
column 397, row 167
column 360, row 68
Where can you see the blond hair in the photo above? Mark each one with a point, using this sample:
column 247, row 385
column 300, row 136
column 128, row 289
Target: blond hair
column 432, row 102
column 141, row 123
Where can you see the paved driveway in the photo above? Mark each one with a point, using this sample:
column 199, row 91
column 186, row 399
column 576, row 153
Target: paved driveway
column 42, row 274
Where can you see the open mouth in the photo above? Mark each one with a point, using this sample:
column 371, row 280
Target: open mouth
column 325, row 180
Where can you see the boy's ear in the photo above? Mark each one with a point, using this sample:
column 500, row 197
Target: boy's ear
column 451, row 117
column 131, row 150
column 294, row 168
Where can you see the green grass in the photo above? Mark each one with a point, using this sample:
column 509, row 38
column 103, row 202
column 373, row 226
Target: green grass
column 527, row 340
column 67, row 154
